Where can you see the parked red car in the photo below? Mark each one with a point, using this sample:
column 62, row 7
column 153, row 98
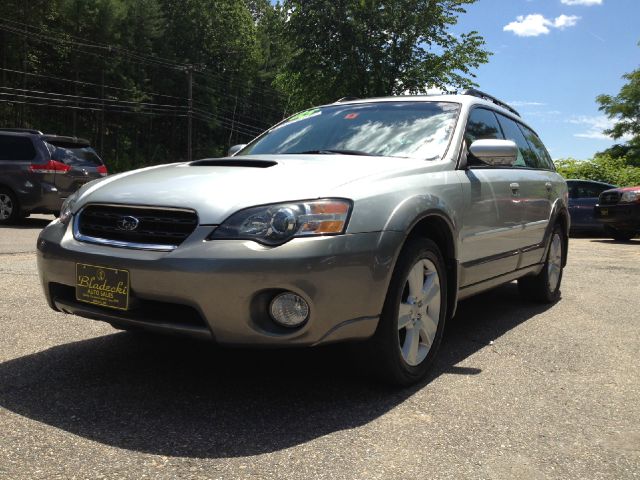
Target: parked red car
column 619, row 210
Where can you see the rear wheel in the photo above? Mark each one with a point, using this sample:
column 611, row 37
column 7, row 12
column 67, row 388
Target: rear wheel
column 619, row 235
column 9, row 207
column 545, row 287
column 412, row 322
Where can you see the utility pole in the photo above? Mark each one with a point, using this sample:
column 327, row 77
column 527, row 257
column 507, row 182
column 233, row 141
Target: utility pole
column 102, row 110
column 190, row 113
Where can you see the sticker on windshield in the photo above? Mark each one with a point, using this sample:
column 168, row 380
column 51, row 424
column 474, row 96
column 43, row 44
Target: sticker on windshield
column 351, row 116
column 305, row 114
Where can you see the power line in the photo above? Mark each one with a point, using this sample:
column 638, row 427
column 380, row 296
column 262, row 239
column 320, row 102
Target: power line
column 95, row 109
column 105, row 99
column 115, row 108
column 84, row 43
column 82, row 82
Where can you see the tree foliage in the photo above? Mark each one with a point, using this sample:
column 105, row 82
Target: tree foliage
column 376, row 47
column 602, row 168
column 116, row 71
column 624, row 109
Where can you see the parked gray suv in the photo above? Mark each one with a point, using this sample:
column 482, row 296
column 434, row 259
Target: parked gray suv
column 37, row 172
column 360, row 220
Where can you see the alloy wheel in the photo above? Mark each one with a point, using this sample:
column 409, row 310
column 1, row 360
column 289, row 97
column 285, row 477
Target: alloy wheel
column 419, row 312
column 554, row 263
column 6, row 206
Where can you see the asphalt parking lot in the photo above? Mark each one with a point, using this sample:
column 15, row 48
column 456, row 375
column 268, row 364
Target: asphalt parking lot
column 520, row 391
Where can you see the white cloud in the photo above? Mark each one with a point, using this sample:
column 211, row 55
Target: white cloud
column 525, row 103
column 595, row 126
column 565, row 21
column 587, row 3
column 535, row 24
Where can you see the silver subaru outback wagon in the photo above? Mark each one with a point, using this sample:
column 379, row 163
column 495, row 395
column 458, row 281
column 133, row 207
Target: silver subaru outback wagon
column 360, row 220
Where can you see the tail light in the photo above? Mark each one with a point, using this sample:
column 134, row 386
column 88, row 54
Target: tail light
column 51, row 166
column 102, row 170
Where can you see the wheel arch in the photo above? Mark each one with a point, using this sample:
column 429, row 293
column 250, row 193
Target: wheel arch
column 438, row 227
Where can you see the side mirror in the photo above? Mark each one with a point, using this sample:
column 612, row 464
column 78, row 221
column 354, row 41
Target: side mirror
column 494, row 152
column 235, row 149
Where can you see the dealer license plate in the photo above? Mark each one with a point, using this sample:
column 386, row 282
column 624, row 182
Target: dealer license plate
column 103, row 286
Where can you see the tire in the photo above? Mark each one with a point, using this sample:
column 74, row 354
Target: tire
column 545, row 287
column 403, row 355
column 619, row 235
column 9, row 207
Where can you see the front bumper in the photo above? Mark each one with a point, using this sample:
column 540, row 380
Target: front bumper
column 228, row 284
column 622, row 216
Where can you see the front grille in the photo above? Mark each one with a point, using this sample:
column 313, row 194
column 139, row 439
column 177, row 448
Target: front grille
column 153, row 226
column 609, row 198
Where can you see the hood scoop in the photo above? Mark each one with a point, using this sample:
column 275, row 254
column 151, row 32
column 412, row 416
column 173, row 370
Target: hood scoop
column 233, row 162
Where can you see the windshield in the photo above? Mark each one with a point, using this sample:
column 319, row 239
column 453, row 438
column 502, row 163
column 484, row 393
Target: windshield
column 75, row 155
column 395, row 129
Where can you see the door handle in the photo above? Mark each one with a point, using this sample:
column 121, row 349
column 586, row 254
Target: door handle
column 515, row 188
column 548, row 186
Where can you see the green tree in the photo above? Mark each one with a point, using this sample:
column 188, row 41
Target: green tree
column 376, row 47
column 624, row 109
column 602, row 168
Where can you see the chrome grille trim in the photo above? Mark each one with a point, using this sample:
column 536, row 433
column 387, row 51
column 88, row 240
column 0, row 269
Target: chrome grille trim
column 110, row 242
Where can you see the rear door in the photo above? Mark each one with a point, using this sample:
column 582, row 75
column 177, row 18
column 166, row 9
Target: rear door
column 83, row 162
column 492, row 220
column 535, row 181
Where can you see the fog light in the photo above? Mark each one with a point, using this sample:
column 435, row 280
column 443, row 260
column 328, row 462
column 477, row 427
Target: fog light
column 289, row 310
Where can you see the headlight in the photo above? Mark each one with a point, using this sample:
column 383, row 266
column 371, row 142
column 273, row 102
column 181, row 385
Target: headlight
column 630, row 196
column 279, row 223
column 67, row 207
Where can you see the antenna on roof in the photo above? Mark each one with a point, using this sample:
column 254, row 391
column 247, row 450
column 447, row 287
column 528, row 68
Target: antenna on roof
column 485, row 96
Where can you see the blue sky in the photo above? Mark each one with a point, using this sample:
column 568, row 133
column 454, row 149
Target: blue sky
column 552, row 58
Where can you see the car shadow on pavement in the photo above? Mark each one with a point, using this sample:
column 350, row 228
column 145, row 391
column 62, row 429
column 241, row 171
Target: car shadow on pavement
column 619, row 242
column 174, row 397
column 29, row 224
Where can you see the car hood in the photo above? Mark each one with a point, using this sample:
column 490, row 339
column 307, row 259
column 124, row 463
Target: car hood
column 216, row 188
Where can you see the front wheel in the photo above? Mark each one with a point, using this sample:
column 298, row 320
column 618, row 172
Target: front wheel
column 412, row 321
column 545, row 287
column 619, row 235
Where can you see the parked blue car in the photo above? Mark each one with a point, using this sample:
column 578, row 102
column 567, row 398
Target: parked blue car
column 583, row 197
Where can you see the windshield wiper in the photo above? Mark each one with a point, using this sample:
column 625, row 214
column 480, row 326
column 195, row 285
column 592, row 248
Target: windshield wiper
column 326, row 151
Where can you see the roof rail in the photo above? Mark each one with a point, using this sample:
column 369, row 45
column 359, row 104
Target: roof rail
column 21, row 130
column 63, row 139
column 480, row 94
column 346, row 99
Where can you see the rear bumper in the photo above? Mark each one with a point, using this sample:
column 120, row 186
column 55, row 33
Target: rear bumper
column 228, row 285
column 623, row 216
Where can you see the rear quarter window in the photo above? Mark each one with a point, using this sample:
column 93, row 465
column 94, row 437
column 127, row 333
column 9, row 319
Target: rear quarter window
column 544, row 159
column 526, row 156
column 13, row 147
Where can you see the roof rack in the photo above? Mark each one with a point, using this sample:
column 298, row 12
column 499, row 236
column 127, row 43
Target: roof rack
column 485, row 96
column 21, row 130
column 346, row 99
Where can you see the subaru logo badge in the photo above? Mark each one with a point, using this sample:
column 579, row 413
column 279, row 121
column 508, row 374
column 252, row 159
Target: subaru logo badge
column 128, row 224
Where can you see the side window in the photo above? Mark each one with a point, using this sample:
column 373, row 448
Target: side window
column 526, row 156
column 589, row 190
column 482, row 124
column 14, row 147
column 544, row 159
